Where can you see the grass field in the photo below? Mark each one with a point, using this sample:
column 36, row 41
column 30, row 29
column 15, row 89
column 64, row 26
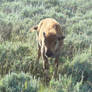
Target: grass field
column 18, row 48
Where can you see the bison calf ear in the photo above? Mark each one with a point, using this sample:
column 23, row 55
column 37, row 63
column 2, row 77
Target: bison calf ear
column 33, row 28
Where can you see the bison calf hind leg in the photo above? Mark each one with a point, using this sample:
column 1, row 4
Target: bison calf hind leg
column 39, row 54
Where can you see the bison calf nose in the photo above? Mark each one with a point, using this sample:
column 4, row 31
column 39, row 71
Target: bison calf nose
column 49, row 53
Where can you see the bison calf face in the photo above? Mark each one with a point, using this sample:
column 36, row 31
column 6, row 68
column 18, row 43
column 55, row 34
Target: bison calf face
column 52, row 44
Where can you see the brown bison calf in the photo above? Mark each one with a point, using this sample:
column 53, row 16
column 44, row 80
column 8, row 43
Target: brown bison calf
column 50, row 39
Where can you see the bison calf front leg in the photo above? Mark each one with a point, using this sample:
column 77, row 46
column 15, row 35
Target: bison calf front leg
column 45, row 63
column 45, row 59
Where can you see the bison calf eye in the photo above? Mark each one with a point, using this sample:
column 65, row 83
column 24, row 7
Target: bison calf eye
column 61, row 38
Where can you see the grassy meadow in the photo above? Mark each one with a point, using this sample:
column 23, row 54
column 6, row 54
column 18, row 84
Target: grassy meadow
column 18, row 47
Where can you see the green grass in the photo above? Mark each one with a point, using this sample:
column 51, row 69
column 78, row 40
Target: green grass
column 18, row 48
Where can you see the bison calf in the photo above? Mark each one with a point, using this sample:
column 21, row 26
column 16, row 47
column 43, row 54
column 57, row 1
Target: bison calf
column 50, row 39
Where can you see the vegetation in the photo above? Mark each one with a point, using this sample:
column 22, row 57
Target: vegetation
column 18, row 49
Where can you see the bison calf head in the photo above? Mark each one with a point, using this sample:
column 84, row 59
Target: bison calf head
column 52, row 44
